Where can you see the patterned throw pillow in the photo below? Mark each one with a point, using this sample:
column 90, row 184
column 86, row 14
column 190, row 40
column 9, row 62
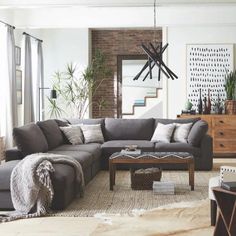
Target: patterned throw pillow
column 73, row 134
column 163, row 133
column 181, row 132
column 92, row 133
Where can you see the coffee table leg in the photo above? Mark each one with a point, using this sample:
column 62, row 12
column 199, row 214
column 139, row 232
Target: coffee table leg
column 111, row 171
column 114, row 174
column 191, row 174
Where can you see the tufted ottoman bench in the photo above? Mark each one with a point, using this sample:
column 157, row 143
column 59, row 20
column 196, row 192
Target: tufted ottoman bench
column 63, row 180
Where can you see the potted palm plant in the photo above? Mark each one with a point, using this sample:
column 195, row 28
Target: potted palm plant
column 230, row 103
column 76, row 88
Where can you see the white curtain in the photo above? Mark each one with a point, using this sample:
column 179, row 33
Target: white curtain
column 33, row 79
column 40, row 77
column 28, row 99
column 8, row 102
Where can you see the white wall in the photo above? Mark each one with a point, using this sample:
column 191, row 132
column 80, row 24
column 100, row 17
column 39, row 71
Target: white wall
column 178, row 38
column 183, row 24
column 60, row 46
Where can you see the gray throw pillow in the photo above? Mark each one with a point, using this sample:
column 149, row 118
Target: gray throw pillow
column 52, row 133
column 30, row 139
column 181, row 132
column 163, row 133
column 73, row 134
column 197, row 132
column 92, row 133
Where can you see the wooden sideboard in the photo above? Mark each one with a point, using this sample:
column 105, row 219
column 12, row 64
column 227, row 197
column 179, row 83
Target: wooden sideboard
column 222, row 128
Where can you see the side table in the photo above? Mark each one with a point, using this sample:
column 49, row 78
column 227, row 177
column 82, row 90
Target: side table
column 226, row 203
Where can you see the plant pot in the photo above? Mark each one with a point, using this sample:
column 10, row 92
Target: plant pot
column 230, row 107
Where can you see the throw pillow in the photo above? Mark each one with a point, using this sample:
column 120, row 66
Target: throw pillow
column 73, row 134
column 52, row 133
column 163, row 133
column 92, row 133
column 30, row 139
column 181, row 132
column 197, row 132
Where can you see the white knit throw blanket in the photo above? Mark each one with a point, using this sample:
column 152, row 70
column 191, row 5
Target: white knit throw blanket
column 31, row 185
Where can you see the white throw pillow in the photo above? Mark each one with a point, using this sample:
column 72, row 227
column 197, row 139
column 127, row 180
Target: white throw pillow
column 181, row 132
column 163, row 133
column 92, row 133
column 73, row 133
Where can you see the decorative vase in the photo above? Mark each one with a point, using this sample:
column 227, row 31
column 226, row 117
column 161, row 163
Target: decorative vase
column 188, row 105
column 209, row 103
column 199, row 105
column 205, row 111
column 230, row 107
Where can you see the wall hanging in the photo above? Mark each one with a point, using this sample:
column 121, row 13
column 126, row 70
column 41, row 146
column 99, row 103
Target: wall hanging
column 207, row 65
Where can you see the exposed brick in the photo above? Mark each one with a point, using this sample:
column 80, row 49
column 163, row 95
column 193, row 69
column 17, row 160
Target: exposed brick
column 113, row 43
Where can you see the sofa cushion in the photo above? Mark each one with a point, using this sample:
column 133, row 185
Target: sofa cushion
column 76, row 121
column 52, row 133
column 128, row 129
column 5, row 174
column 178, row 121
column 84, row 158
column 30, row 139
column 177, row 147
column 197, row 132
column 73, row 133
column 93, row 148
column 110, row 147
column 92, row 133
column 163, row 133
column 181, row 132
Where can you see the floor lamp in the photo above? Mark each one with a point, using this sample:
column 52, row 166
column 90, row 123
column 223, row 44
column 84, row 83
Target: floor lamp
column 53, row 95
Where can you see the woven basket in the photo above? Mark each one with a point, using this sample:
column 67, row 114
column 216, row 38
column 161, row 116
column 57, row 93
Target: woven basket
column 144, row 181
column 230, row 107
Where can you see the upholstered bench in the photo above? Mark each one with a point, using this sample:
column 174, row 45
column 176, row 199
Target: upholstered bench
column 62, row 180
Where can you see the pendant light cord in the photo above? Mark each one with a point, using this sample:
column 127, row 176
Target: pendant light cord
column 155, row 22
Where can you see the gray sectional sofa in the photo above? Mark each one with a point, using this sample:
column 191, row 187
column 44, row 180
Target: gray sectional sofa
column 46, row 136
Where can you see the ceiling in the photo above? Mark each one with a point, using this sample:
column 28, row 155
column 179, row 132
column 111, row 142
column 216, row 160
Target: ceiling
column 105, row 3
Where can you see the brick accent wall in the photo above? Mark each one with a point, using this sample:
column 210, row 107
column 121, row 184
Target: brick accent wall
column 113, row 43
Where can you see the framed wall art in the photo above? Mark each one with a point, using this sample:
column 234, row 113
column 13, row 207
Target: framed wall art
column 207, row 65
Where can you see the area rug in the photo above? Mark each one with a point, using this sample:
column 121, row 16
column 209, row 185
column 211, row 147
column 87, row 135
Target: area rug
column 123, row 200
column 182, row 219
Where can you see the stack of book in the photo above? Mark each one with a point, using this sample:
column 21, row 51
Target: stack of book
column 161, row 187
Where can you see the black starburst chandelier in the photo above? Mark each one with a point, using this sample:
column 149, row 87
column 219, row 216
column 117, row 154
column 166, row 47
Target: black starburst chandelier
column 154, row 52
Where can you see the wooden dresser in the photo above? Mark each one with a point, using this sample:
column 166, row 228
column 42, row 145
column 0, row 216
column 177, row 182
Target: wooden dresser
column 222, row 128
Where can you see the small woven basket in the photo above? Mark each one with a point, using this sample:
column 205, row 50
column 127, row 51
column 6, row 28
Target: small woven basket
column 230, row 107
column 144, row 181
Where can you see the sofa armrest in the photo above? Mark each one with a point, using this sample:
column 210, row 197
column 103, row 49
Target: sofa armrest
column 206, row 147
column 13, row 154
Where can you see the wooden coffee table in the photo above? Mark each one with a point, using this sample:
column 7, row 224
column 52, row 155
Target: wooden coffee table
column 151, row 158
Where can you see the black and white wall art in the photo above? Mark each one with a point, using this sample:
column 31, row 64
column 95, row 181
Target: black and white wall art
column 207, row 65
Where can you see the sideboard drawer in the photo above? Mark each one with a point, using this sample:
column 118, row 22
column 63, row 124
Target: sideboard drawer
column 225, row 146
column 225, row 122
column 224, row 134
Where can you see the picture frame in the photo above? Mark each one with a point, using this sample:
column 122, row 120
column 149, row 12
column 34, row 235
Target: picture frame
column 18, row 55
column 19, row 86
column 207, row 65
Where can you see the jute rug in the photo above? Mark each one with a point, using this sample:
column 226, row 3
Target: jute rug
column 123, row 200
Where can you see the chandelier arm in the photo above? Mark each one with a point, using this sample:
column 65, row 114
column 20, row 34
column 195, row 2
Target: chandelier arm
column 150, row 67
column 150, row 54
column 158, row 57
column 142, row 70
column 148, row 72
